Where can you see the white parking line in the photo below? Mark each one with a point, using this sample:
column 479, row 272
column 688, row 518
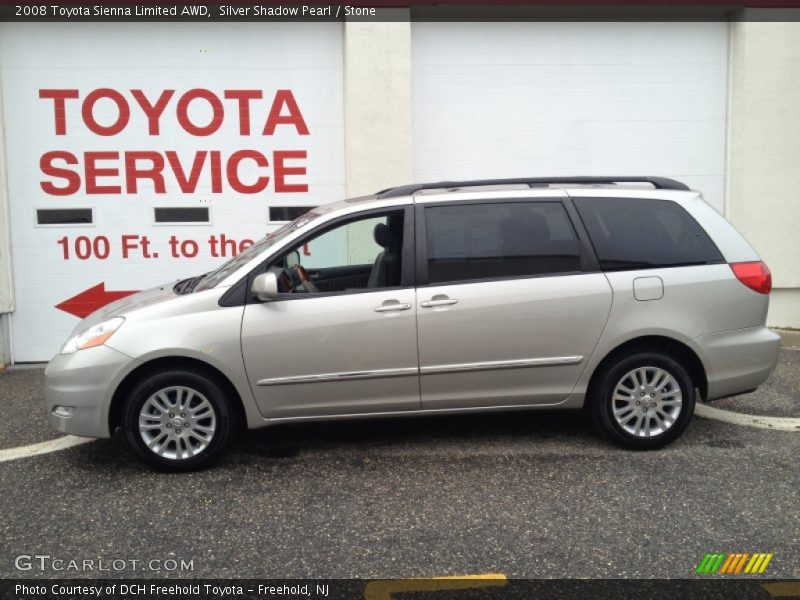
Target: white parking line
column 758, row 421
column 62, row 443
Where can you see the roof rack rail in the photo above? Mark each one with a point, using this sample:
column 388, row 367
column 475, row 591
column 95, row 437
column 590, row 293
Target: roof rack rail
column 660, row 183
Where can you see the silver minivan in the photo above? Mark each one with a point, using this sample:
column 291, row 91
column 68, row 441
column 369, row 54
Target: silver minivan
column 629, row 296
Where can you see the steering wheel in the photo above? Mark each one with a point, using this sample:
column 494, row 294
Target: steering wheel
column 284, row 283
column 305, row 279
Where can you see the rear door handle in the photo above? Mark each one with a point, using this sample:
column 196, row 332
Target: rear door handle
column 391, row 306
column 438, row 301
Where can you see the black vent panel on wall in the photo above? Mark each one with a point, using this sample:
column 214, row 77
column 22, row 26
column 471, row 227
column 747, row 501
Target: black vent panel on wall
column 287, row 213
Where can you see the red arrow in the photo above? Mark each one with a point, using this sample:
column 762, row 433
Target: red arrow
column 88, row 301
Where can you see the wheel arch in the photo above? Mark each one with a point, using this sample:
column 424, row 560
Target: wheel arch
column 171, row 362
column 660, row 343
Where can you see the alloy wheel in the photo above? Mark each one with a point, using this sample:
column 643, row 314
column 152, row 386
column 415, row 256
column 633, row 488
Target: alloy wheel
column 177, row 423
column 646, row 401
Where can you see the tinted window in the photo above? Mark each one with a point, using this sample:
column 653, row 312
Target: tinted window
column 181, row 214
column 63, row 216
column 630, row 233
column 481, row 241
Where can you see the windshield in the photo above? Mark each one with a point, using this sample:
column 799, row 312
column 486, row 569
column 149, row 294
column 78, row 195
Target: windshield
column 214, row 277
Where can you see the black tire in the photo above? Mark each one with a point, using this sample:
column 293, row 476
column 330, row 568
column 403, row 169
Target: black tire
column 225, row 421
column 601, row 403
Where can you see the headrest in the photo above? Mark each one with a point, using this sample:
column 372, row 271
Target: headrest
column 383, row 235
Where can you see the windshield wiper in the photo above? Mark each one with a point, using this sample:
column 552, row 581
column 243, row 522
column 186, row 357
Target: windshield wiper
column 186, row 286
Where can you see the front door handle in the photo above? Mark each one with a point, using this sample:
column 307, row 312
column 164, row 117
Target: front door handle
column 438, row 301
column 391, row 306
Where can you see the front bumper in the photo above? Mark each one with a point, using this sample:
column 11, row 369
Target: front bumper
column 738, row 361
column 84, row 382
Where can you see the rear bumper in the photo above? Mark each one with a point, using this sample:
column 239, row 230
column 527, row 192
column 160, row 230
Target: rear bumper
column 83, row 384
column 737, row 361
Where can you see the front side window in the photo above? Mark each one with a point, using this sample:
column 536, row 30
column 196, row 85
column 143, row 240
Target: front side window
column 358, row 255
column 631, row 233
column 485, row 241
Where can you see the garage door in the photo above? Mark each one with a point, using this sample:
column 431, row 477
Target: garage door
column 138, row 154
column 525, row 99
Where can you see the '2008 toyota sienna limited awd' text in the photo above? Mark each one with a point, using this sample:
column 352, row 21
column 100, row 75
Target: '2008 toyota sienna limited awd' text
column 628, row 295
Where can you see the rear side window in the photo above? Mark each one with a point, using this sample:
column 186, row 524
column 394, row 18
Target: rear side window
column 628, row 233
column 485, row 241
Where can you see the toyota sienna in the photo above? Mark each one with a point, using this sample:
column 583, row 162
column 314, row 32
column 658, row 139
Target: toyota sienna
column 629, row 296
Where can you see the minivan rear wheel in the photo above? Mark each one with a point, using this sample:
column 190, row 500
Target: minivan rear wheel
column 643, row 401
column 178, row 420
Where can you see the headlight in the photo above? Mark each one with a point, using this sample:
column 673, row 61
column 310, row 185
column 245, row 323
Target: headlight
column 96, row 335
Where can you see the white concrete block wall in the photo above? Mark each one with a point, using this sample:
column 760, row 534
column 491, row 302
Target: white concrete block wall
column 764, row 139
column 378, row 108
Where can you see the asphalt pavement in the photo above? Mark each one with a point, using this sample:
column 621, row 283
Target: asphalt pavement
column 23, row 417
column 524, row 494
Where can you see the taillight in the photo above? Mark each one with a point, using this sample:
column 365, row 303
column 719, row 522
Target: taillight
column 754, row 275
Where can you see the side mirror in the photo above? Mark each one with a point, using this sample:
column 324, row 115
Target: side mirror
column 265, row 286
column 293, row 258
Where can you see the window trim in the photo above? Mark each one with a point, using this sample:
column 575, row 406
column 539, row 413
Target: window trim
column 643, row 267
column 407, row 274
column 589, row 261
column 586, row 256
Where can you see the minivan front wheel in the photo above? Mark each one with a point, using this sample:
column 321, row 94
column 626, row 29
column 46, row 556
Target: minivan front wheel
column 178, row 420
column 643, row 401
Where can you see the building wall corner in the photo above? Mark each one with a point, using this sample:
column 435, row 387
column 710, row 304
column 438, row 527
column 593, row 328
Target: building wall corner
column 764, row 152
column 6, row 273
column 377, row 104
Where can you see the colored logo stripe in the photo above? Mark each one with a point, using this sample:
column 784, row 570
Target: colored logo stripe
column 734, row 563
